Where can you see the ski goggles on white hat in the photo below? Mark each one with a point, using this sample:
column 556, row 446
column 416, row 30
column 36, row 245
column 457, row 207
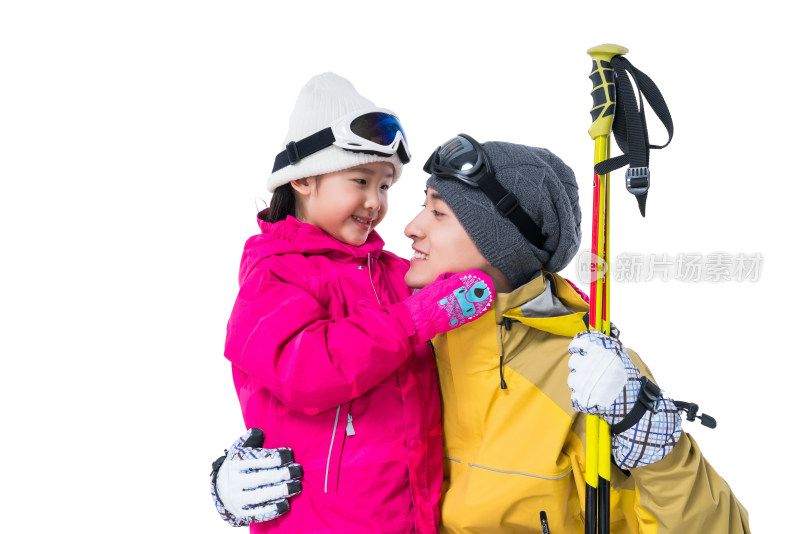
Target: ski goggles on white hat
column 376, row 132
column 464, row 159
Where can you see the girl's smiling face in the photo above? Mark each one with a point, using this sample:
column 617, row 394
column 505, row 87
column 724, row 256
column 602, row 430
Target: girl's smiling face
column 441, row 245
column 346, row 204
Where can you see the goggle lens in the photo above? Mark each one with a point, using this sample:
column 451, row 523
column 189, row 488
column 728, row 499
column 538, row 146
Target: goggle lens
column 458, row 154
column 380, row 128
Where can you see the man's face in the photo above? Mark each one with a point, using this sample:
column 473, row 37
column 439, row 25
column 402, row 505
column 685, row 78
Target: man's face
column 440, row 244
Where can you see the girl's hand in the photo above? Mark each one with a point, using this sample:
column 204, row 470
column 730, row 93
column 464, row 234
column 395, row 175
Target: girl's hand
column 449, row 302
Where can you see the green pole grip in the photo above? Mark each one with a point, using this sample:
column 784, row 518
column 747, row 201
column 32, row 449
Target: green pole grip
column 603, row 92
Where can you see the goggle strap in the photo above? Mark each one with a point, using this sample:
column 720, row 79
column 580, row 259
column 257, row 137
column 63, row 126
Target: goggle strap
column 295, row 151
column 427, row 167
column 507, row 204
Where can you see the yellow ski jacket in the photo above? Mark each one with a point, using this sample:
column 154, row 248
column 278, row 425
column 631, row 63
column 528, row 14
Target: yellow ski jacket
column 511, row 453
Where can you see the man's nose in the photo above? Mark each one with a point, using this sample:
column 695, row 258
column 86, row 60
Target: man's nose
column 414, row 229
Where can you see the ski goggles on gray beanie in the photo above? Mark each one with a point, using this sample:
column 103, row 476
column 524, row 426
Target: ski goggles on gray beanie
column 518, row 203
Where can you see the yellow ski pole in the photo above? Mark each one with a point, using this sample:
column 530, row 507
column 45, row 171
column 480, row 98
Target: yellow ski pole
column 598, row 434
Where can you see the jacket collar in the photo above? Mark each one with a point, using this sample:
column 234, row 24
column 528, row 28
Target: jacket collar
column 547, row 303
column 291, row 236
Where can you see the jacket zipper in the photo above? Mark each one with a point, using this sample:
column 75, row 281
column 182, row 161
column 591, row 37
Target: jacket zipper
column 507, row 325
column 349, row 429
column 369, row 273
column 330, row 449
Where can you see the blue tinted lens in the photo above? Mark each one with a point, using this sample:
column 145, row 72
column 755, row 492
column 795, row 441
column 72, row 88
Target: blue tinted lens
column 380, row 128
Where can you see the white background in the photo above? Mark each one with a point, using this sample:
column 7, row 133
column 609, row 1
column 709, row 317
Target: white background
column 136, row 137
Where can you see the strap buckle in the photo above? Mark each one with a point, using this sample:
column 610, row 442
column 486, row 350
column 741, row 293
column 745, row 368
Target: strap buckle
column 637, row 180
column 292, row 153
column 507, row 204
column 649, row 394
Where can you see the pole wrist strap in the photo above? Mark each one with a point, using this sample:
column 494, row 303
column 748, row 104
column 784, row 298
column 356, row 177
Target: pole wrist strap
column 630, row 128
column 648, row 396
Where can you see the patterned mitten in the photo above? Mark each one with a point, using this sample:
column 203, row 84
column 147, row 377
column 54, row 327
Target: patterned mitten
column 449, row 302
column 605, row 382
column 250, row 484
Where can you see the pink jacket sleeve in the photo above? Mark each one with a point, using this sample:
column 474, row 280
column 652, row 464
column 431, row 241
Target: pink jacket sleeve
column 282, row 337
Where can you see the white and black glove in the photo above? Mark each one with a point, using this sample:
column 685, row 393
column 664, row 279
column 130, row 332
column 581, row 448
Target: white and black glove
column 604, row 382
column 250, row 484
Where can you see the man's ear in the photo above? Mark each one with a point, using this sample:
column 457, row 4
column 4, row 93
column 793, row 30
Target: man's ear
column 301, row 186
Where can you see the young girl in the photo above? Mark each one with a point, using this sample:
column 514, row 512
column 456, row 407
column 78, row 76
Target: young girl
column 325, row 339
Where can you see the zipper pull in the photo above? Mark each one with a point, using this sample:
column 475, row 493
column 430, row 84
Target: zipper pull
column 349, row 430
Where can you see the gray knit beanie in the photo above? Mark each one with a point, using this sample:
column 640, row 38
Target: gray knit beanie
column 547, row 191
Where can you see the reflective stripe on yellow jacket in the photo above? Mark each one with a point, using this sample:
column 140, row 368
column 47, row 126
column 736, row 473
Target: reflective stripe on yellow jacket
column 511, row 453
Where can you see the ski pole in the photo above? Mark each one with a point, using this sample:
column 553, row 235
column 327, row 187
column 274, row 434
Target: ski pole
column 598, row 434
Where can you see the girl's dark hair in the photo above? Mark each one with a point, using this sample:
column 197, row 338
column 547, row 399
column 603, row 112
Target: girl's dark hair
column 280, row 205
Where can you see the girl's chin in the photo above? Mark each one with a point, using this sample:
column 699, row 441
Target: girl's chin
column 355, row 239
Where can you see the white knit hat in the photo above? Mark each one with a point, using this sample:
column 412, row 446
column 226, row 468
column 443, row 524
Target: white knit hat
column 325, row 98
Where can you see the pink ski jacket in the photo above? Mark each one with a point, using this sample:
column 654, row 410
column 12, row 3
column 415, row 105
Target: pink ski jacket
column 322, row 361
